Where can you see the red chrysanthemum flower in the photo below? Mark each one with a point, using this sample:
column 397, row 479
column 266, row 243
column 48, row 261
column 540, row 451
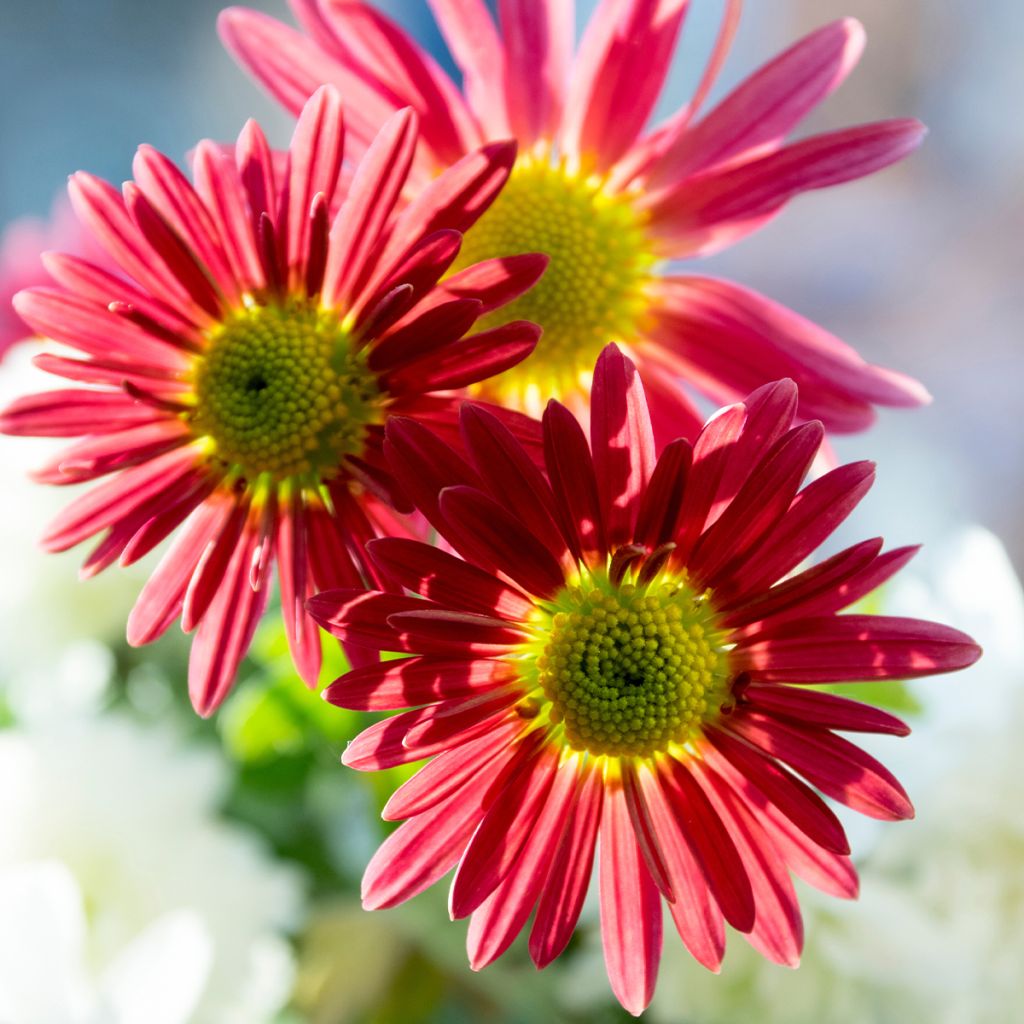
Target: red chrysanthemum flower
column 241, row 369
column 609, row 202
column 624, row 656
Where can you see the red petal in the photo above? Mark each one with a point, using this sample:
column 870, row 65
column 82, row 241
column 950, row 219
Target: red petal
column 390, row 685
column 482, row 531
column 566, row 884
column 448, row 580
column 621, row 440
column 837, row 767
column 630, row 908
column 848, row 648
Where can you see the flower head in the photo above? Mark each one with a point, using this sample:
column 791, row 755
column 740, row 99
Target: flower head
column 239, row 370
column 607, row 199
column 627, row 653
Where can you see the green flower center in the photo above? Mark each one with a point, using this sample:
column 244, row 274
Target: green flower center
column 281, row 390
column 631, row 670
column 593, row 291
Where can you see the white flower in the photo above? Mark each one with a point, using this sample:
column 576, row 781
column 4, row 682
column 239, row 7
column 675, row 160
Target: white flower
column 52, row 625
column 150, row 908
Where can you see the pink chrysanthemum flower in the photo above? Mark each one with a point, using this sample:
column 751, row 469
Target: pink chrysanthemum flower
column 241, row 371
column 607, row 200
column 624, row 660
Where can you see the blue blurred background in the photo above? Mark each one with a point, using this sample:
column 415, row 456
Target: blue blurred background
column 919, row 268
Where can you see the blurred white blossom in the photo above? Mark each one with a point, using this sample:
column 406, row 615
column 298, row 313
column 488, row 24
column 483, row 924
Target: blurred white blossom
column 124, row 899
column 53, row 628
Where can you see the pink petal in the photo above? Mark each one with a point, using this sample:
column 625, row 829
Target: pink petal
column 627, row 41
column 698, row 217
column 758, row 506
column 468, row 361
column 105, row 453
column 471, row 35
column 837, row 767
column 114, row 499
column 662, row 501
column 694, row 910
column 814, row 515
column 512, row 476
column 390, row 685
column 729, row 339
column 673, row 414
column 423, row 332
column 448, row 580
column 424, row 465
column 427, row 847
column 451, row 771
column 415, row 735
column 710, row 842
column 314, row 163
column 539, row 36
column 711, row 453
column 510, row 820
column 160, row 601
column 359, row 227
column 848, row 648
column 758, row 115
column 824, row 710
column 176, row 201
column 499, row 919
column 69, row 412
column 93, row 329
column 102, row 210
column 291, row 68
column 496, row 282
column 778, row 928
column 573, row 481
column 226, row 631
column 630, row 908
column 293, row 556
column 622, row 441
column 561, row 899
column 442, row 632
column 209, row 573
column 358, row 616
column 455, row 199
column 794, row 799
column 381, row 53
column 219, row 185
column 802, row 594
column 484, row 532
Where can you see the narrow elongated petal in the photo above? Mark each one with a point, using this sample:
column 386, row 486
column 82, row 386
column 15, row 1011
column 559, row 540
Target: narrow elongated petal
column 538, row 38
column 622, row 441
column 853, row 647
column 499, row 919
column 496, row 844
column 838, row 768
column 562, row 898
column 482, row 530
column 758, row 115
column 630, row 909
column 699, row 217
column 627, row 41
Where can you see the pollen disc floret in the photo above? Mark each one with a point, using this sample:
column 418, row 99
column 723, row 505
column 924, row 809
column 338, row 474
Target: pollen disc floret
column 281, row 390
column 630, row 670
column 593, row 289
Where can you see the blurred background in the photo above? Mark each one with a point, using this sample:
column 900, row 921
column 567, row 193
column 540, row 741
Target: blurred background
column 176, row 871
